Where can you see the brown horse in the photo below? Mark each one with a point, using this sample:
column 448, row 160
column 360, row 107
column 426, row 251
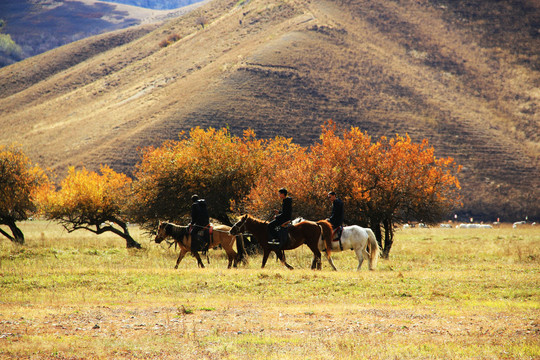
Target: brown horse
column 305, row 232
column 180, row 234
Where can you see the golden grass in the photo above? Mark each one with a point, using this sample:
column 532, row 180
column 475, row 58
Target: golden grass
column 444, row 293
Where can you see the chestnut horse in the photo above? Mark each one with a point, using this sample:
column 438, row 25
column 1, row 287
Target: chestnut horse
column 180, row 234
column 305, row 232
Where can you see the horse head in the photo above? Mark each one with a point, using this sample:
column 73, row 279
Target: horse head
column 239, row 227
column 161, row 232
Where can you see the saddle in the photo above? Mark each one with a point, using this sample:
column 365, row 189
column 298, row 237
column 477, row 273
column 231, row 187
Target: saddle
column 202, row 239
column 283, row 234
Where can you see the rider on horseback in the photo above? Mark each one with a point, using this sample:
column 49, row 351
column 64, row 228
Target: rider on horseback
column 285, row 216
column 200, row 221
column 336, row 218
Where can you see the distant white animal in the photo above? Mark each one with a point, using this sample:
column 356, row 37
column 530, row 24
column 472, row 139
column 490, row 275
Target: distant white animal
column 448, row 226
column 474, row 226
column 519, row 223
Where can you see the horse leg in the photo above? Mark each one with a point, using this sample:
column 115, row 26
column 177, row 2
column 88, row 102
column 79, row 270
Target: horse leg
column 314, row 263
column 235, row 259
column 199, row 261
column 316, row 256
column 266, row 252
column 180, row 257
column 360, row 256
column 281, row 256
column 331, row 262
column 231, row 254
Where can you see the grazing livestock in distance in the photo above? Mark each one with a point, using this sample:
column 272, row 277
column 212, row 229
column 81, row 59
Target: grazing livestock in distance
column 474, row 226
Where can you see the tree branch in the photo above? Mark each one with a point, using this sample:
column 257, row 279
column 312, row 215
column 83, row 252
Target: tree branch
column 7, row 235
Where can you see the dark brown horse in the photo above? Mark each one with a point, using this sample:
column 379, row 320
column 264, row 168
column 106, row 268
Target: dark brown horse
column 305, row 232
column 180, row 234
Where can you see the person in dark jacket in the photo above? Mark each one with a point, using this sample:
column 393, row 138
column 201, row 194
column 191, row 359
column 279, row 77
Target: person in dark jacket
column 281, row 218
column 199, row 224
column 338, row 212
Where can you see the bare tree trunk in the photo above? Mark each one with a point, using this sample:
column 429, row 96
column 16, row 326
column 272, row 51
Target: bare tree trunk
column 388, row 238
column 124, row 233
column 378, row 235
column 17, row 237
column 130, row 242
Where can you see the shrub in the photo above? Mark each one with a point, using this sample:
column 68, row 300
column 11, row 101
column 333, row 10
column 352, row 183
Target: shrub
column 169, row 40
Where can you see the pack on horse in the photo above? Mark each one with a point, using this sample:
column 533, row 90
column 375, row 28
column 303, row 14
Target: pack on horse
column 181, row 236
column 305, row 232
column 361, row 240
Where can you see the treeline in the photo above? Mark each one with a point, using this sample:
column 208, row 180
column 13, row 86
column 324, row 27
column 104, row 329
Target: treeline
column 383, row 183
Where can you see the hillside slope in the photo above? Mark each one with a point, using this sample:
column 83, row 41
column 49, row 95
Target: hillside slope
column 463, row 75
column 37, row 26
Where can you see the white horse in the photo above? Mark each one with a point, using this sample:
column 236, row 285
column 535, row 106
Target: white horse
column 361, row 240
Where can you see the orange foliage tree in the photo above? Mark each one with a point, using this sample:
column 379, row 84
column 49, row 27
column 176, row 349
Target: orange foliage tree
column 411, row 184
column 90, row 201
column 283, row 162
column 382, row 183
column 20, row 180
column 217, row 166
column 308, row 174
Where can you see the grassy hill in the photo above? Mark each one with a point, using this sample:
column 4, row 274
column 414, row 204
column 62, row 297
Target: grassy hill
column 37, row 26
column 463, row 74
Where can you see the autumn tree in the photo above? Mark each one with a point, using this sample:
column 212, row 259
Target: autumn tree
column 308, row 174
column 90, row 201
column 20, row 180
column 412, row 184
column 214, row 164
column 284, row 166
column 383, row 183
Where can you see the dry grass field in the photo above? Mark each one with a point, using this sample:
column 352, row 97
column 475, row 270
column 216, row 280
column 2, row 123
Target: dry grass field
column 443, row 294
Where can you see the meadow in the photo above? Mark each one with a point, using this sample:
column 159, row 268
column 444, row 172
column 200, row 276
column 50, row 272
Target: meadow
column 443, row 294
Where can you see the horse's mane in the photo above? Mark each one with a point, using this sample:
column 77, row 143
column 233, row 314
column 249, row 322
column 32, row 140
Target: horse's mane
column 175, row 231
column 255, row 220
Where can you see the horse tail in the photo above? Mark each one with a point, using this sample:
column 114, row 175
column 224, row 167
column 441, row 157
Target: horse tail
column 327, row 235
column 374, row 249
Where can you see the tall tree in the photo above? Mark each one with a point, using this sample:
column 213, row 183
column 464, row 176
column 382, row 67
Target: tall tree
column 20, row 180
column 211, row 163
column 412, row 184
